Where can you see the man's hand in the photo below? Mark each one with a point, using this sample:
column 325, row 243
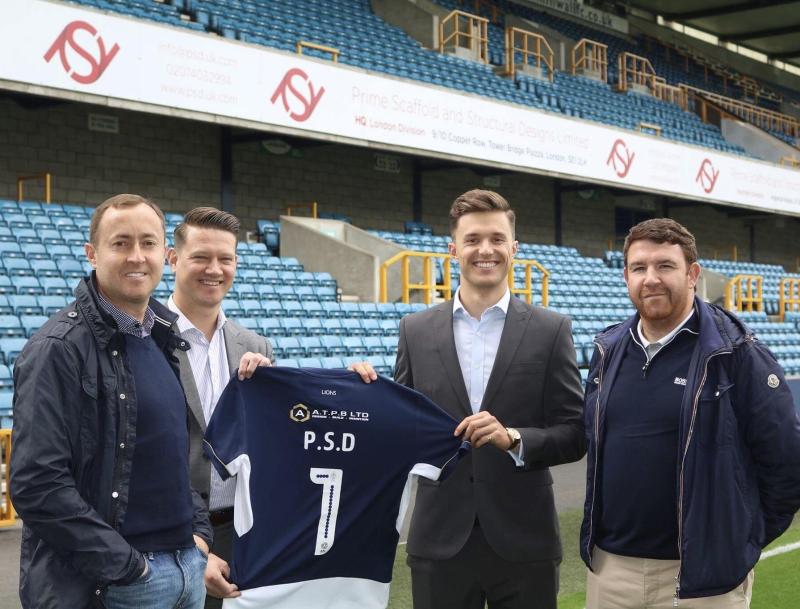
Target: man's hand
column 483, row 428
column 216, row 579
column 249, row 362
column 364, row 370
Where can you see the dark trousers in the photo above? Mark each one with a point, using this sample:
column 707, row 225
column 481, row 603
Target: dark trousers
column 478, row 575
column 222, row 547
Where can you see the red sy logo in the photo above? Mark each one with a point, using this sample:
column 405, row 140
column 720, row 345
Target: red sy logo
column 620, row 158
column 287, row 86
column 98, row 62
column 707, row 176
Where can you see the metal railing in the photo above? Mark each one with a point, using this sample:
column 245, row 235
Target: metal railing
column 790, row 161
column 7, row 513
column 465, row 31
column 745, row 293
column 788, row 296
column 527, row 291
column 311, row 207
column 305, row 44
column 669, row 93
column 650, row 127
column 634, row 70
column 590, row 56
column 429, row 287
column 761, row 117
column 48, row 182
column 528, row 44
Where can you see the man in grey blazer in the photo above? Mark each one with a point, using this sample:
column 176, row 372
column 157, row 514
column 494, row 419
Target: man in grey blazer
column 204, row 261
column 507, row 371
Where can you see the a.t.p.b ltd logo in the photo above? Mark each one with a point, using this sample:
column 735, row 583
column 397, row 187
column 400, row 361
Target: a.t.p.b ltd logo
column 81, row 40
column 299, row 413
column 298, row 94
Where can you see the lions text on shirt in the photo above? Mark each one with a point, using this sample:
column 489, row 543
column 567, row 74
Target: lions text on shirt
column 323, row 461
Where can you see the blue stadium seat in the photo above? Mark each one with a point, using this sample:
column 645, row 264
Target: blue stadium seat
column 313, row 326
column 352, row 327
column 24, row 304
column 6, row 378
column 333, row 345
column 31, row 323
column 331, row 362
column 312, row 346
column 291, row 326
column 269, row 326
column 27, row 285
column 10, row 348
column 309, row 362
column 11, row 327
column 354, row 345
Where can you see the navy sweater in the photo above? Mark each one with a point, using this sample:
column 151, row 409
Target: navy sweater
column 638, row 478
column 159, row 515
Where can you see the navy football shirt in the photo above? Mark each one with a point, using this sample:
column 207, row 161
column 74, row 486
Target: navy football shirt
column 323, row 462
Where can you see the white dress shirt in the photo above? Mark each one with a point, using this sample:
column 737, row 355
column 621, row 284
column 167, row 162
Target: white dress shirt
column 209, row 362
column 477, row 341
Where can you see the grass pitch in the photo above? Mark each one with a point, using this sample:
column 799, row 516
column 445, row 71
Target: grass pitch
column 777, row 581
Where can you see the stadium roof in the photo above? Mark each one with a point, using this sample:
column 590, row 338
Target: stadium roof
column 771, row 27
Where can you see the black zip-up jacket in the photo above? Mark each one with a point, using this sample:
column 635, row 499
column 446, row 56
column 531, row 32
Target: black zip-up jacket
column 73, row 441
column 739, row 455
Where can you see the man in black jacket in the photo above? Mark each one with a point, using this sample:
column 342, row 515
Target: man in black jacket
column 99, row 464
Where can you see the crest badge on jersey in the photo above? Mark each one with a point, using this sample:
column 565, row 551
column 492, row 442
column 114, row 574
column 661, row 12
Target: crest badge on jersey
column 299, row 413
column 772, row 381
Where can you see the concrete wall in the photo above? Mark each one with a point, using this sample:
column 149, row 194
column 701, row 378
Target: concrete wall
column 417, row 18
column 756, row 141
column 177, row 163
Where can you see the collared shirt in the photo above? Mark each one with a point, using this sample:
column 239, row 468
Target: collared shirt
column 209, row 362
column 477, row 341
column 125, row 323
column 651, row 348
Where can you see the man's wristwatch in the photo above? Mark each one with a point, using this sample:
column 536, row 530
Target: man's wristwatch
column 514, row 436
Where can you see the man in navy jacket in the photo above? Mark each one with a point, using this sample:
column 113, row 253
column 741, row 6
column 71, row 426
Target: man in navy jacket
column 693, row 442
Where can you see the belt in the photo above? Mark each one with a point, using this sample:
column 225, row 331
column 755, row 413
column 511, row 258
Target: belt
column 219, row 517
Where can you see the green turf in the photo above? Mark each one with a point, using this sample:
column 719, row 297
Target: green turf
column 776, row 583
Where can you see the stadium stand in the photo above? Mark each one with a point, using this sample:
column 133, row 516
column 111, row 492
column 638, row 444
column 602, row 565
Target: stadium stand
column 366, row 41
column 309, row 327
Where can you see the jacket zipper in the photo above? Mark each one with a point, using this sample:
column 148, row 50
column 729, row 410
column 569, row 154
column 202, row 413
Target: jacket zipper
column 596, row 449
column 683, row 461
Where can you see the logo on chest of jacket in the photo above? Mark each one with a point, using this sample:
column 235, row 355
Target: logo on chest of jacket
column 680, row 381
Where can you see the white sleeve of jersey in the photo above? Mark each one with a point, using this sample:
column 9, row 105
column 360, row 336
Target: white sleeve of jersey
column 426, row 470
column 242, row 508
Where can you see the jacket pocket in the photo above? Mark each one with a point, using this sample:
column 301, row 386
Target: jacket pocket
column 715, row 425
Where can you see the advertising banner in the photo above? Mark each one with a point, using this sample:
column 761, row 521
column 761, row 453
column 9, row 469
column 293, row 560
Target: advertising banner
column 64, row 48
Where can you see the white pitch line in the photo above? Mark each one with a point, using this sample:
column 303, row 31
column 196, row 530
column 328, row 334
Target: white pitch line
column 780, row 550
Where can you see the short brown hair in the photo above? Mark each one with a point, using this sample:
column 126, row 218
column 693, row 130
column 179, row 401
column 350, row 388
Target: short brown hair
column 478, row 200
column 662, row 230
column 117, row 201
column 206, row 217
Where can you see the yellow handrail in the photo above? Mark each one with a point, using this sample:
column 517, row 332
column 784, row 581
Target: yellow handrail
column 591, row 56
column 790, row 161
column 475, row 34
column 310, row 206
column 39, row 176
column 761, row 117
column 541, row 50
column 650, row 127
column 745, row 293
column 788, row 295
column 428, row 286
column 669, row 93
column 305, row 44
column 635, row 70
column 527, row 291
column 6, row 509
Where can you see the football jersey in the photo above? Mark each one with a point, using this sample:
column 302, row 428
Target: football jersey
column 323, row 464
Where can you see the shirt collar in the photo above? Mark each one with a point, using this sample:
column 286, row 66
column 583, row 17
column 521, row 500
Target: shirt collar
column 501, row 304
column 126, row 323
column 184, row 323
column 667, row 338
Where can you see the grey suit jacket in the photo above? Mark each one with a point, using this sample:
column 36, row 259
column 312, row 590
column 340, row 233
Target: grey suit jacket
column 238, row 341
column 535, row 387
